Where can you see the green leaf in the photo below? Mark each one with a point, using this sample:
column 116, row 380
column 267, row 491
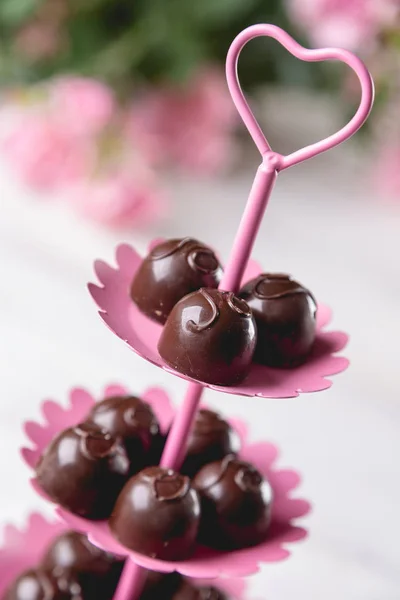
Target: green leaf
column 15, row 12
column 215, row 12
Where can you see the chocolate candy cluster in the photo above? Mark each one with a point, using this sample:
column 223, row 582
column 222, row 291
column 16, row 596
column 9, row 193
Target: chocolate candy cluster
column 73, row 569
column 213, row 335
column 105, row 468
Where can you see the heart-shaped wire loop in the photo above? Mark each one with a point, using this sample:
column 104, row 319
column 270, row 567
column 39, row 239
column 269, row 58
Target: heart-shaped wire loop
column 305, row 54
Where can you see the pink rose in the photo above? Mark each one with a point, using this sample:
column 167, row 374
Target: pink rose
column 118, row 200
column 351, row 24
column 84, row 105
column 46, row 155
column 191, row 127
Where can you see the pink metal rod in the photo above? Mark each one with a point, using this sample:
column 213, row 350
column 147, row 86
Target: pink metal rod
column 249, row 225
column 175, row 446
column 367, row 90
column 131, row 582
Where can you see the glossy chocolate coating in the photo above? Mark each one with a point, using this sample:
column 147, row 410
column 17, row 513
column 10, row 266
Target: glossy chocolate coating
column 211, row 439
column 160, row 586
column 235, row 504
column 84, row 469
column 211, row 336
column 187, row 591
column 37, row 584
column 96, row 571
column 285, row 313
column 157, row 514
column 172, row 270
column 134, row 422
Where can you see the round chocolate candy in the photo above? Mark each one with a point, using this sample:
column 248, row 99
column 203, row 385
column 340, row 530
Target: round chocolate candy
column 37, row 584
column 235, row 504
column 84, row 469
column 172, row 270
column 285, row 314
column 160, row 585
column 96, row 571
column 134, row 422
column 157, row 514
column 211, row 336
column 187, row 591
column 211, row 439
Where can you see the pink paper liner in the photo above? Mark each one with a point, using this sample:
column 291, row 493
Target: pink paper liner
column 141, row 334
column 24, row 547
column 205, row 563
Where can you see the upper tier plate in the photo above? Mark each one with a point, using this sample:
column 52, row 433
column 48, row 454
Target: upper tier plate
column 205, row 563
column 141, row 334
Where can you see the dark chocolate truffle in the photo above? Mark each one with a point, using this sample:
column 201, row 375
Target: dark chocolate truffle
column 37, row 584
column 187, row 591
column 235, row 504
column 211, row 336
column 84, row 469
column 285, row 314
column 157, row 514
column 160, row 585
column 134, row 422
column 96, row 571
column 211, row 439
column 172, row 270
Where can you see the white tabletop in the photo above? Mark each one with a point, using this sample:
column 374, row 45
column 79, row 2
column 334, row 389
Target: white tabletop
column 326, row 229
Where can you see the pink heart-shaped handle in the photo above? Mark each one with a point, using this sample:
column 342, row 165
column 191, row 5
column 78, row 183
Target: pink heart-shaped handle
column 367, row 91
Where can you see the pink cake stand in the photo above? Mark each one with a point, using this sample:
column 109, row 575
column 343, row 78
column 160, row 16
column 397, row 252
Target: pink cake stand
column 205, row 563
column 24, row 547
column 127, row 323
column 130, row 326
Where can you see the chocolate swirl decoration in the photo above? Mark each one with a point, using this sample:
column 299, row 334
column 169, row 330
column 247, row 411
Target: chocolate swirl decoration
column 270, row 286
column 236, row 304
column 203, row 259
column 200, row 258
column 95, row 443
column 198, row 327
column 140, row 416
column 248, row 478
column 169, row 485
column 170, row 247
column 223, row 468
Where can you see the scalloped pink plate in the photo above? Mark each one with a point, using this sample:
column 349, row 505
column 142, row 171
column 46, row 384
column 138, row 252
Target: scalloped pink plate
column 205, row 563
column 23, row 548
column 141, row 334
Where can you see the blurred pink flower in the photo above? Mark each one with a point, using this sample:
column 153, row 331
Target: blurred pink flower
column 387, row 172
column 351, row 24
column 44, row 154
column 85, row 105
column 118, row 200
column 192, row 127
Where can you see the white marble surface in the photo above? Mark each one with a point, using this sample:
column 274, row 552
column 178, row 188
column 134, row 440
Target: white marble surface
column 322, row 226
